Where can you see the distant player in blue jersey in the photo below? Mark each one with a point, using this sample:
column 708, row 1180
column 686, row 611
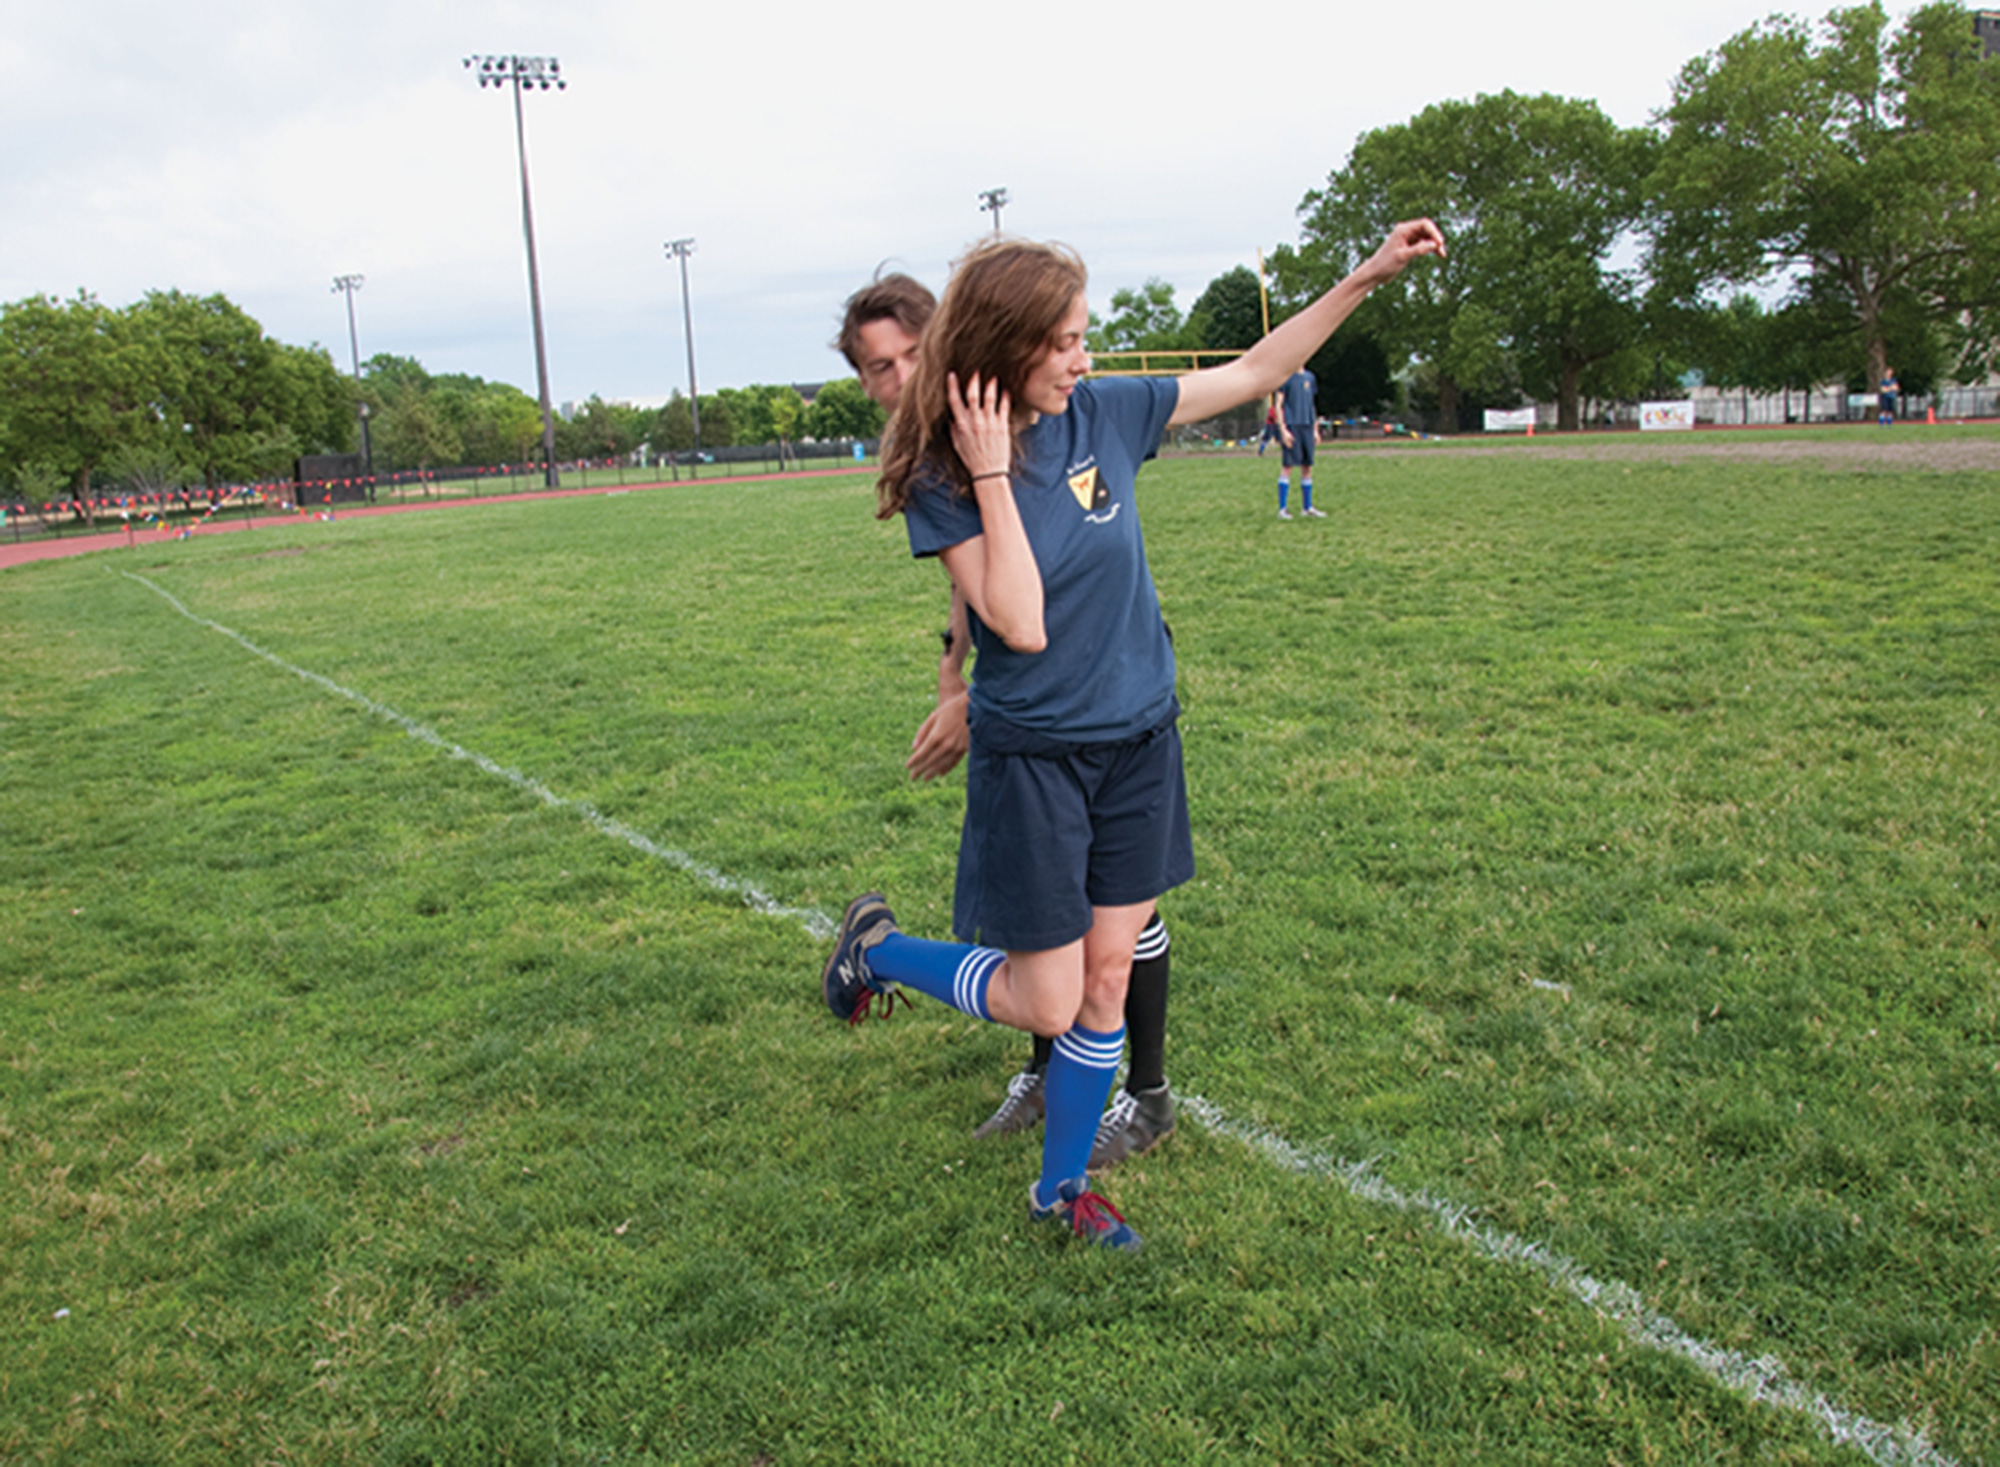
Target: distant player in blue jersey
column 1020, row 475
column 1298, row 430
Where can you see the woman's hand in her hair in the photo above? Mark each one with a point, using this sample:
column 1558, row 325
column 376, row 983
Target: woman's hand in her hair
column 982, row 428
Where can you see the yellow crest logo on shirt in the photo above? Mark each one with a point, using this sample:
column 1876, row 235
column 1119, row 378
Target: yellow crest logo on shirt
column 1090, row 494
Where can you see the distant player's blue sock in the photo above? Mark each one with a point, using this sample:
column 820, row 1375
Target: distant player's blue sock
column 1078, row 1083
column 1284, row 489
column 954, row 973
column 1306, row 493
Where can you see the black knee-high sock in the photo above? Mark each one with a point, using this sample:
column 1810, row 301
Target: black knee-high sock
column 1146, row 1010
column 1145, row 1013
column 1043, row 1049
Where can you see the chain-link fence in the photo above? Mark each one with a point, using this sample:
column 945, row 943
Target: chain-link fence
column 186, row 510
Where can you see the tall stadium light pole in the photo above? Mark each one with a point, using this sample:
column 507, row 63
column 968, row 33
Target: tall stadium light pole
column 530, row 72
column 992, row 201
column 347, row 285
column 680, row 249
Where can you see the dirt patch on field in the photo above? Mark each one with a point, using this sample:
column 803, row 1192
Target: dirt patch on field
column 1897, row 450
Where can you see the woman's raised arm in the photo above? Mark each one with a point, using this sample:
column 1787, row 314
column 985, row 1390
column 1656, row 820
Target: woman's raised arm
column 1261, row 370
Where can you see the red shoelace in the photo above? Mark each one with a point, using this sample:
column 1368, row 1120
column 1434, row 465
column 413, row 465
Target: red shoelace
column 870, row 997
column 1091, row 1214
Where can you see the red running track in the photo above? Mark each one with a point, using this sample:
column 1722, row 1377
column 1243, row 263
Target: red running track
column 50, row 547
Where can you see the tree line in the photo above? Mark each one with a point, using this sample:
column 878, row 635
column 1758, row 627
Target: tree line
column 1819, row 202
column 424, row 421
column 171, row 390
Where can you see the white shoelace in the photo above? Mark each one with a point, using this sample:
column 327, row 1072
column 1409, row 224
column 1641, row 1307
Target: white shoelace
column 1118, row 1117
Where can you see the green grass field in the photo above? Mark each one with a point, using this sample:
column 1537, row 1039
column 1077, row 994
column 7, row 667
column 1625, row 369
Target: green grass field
column 1596, row 864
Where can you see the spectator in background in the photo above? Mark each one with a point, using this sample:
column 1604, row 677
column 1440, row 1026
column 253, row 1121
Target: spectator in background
column 1298, row 429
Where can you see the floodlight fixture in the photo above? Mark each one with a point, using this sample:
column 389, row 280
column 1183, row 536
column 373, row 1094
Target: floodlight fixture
column 680, row 249
column 347, row 285
column 993, row 200
column 540, row 72
column 532, row 73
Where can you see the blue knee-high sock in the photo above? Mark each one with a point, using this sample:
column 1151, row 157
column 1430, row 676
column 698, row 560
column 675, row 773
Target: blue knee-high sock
column 954, row 973
column 1079, row 1082
column 1306, row 492
column 1284, row 489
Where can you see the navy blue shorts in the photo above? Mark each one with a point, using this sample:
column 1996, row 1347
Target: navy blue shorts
column 1053, row 829
column 1301, row 451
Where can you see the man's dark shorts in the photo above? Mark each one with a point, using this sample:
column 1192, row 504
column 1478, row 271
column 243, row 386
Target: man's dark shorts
column 1301, row 451
column 1053, row 829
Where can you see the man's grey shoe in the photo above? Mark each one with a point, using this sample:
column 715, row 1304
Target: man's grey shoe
column 1133, row 1125
column 1023, row 1107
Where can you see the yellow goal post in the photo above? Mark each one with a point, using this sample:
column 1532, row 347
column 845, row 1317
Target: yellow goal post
column 1155, row 363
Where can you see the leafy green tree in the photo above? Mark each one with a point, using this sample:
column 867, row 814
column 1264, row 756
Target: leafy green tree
column 749, row 422
column 425, row 421
column 212, row 373
column 150, row 468
column 496, row 423
column 1145, row 319
column 843, row 410
column 315, row 401
column 760, row 413
column 673, row 425
column 38, row 482
column 788, row 415
column 71, row 384
column 1353, row 376
column 1230, row 310
column 718, row 422
column 1860, row 160
column 385, row 372
column 595, row 432
column 1534, row 194
column 270, row 454
column 631, row 425
column 411, row 431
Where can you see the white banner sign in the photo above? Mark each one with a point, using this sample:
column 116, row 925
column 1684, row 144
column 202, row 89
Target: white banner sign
column 1512, row 420
column 1655, row 417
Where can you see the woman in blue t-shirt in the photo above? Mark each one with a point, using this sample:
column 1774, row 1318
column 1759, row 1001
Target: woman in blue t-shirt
column 1018, row 474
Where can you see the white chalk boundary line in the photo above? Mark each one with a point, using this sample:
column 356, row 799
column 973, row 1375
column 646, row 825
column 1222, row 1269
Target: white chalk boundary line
column 1762, row 1379
column 816, row 923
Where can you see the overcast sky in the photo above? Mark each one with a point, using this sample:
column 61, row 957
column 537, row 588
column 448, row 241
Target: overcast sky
column 260, row 147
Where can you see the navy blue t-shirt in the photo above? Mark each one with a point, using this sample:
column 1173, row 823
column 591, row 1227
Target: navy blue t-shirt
column 1108, row 670
column 1299, row 390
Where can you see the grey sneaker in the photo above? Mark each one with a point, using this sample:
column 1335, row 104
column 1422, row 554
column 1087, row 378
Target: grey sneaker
column 1316, row 513
column 1284, row 514
column 1133, row 1125
column 1022, row 1108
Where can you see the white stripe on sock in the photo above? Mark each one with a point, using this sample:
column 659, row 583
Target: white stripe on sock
column 1098, row 1052
column 968, row 984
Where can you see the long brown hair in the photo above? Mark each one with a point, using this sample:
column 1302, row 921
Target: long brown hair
column 1002, row 307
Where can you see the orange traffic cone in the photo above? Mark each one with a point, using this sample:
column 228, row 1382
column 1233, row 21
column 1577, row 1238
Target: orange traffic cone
column 1930, row 416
